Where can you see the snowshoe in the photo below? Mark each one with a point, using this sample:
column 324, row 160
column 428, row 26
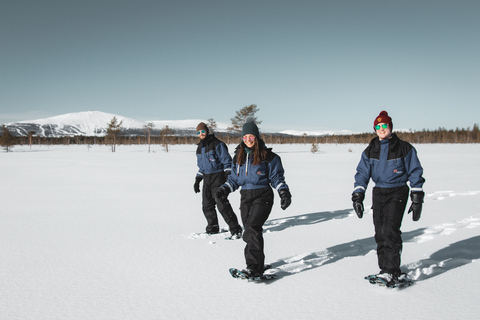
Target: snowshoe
column 250, row 275
column 389, row 280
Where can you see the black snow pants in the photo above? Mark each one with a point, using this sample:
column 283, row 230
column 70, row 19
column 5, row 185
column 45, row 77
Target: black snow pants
column 255, row 207
column 211, row 182
column 388, row 209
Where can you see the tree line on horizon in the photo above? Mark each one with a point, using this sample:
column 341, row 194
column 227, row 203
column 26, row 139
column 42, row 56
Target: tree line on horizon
column 167, row 136
column 441, row 135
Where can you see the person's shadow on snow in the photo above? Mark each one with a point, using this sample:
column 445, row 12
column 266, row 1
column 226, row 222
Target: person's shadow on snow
column 453, row 256
column 292, row 265
column 304, row 219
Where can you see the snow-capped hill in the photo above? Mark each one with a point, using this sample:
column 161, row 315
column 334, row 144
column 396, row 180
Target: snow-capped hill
column 88, row 123
column 95, row 123
column 87, row 120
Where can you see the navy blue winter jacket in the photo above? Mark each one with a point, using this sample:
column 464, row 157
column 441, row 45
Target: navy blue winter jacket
column 250, row 176
column 212, row 156
column 390, row 163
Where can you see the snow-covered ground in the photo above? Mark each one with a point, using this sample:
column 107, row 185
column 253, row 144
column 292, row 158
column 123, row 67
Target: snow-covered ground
column 90, row 234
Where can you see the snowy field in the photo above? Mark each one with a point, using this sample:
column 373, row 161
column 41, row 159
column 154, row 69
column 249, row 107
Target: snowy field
column 90, row 234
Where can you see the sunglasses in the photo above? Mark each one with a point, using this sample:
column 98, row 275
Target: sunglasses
column 383, row 126
column 251, row 138
column 201, row 131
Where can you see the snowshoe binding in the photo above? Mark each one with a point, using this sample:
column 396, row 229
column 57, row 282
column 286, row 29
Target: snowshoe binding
column 250, row 275
column 389, row 280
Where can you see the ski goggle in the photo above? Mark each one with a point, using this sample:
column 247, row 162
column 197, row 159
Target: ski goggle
column 201, row 131
column 251, row 138
column 383, row 126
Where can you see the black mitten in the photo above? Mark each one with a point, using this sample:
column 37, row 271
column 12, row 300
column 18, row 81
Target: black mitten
column 285, row 198
column 222, row 193
column 357, row 199
column 196, row 185
column 416, row 207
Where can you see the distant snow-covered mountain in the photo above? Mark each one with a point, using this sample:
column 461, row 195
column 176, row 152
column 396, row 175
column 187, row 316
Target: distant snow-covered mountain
column 95, row 123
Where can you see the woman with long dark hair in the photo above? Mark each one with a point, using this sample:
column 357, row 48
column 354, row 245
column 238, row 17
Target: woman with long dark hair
column 256, row 169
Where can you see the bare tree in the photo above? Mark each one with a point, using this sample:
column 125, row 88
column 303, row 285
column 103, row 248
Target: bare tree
column 148, row 130
column 242, row 114
column 114, row 131
column 7, row 140
column 164, row 133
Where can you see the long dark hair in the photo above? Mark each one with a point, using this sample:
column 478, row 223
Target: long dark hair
column 258, row 150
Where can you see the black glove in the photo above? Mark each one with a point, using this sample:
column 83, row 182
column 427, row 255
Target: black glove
column 222, row 194
column 285, row 198
column 357, row 199
column 196, row 185
column 416, row 207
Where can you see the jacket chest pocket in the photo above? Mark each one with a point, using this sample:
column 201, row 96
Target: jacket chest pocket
column 396, row 167
column 212, row 160
column 259, row 173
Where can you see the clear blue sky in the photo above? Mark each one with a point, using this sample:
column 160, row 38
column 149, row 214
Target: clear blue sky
column 308, row 65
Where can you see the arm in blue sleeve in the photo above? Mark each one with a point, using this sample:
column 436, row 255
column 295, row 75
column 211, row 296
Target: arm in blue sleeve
column 414, row 171
column 224, row 156
column 362, row 177
column 199, row 165
column 232, row 178
column 276, row 174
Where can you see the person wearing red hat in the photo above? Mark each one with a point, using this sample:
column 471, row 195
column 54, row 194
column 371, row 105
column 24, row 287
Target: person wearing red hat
column 390, row 163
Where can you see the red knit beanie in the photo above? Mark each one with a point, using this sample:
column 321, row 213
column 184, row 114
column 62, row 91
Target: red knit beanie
column 383, row 118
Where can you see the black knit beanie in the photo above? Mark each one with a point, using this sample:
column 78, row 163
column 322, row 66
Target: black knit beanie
column 250, row 127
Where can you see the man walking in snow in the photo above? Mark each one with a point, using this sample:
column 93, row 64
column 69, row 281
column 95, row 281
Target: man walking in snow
column 390, row 162
column 214, row 166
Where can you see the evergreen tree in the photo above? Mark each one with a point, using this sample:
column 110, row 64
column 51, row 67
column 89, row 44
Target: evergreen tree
column 242, row 114
column 212, row 124
column 6, row 140
column 114, row 131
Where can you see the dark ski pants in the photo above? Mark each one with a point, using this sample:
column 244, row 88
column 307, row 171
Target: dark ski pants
column 388, row 209
column 255, row 207
column 211, row 182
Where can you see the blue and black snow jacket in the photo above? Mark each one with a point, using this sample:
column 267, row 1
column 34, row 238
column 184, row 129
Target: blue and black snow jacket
column 250, row 176
column 390, row 163
column 212, row 156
